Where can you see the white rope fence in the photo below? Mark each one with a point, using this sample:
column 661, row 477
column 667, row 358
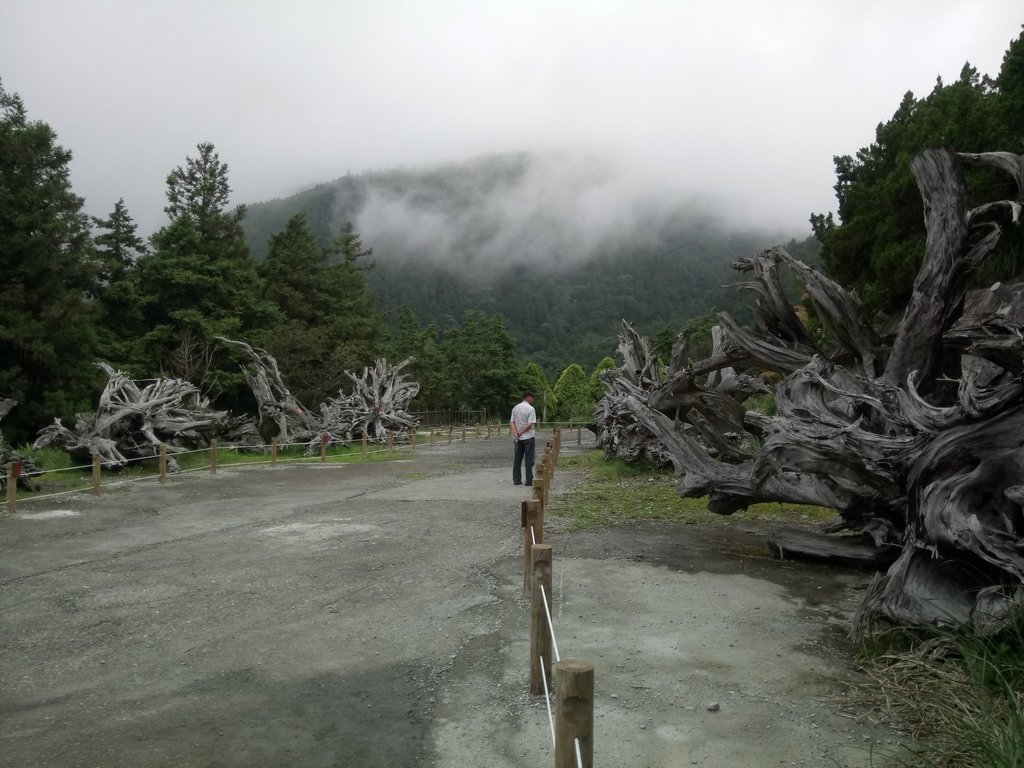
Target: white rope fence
column 571, row 724
column 558, row 657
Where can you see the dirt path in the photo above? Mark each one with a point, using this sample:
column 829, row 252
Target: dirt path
column 372, row 615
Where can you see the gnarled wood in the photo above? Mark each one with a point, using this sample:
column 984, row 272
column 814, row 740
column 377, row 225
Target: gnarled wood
column 133, row 419
column 914, row 456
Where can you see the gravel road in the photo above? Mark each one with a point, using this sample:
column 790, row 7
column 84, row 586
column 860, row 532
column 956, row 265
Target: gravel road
column 371, row 615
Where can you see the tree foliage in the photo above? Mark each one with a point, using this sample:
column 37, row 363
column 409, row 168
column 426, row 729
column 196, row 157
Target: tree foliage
column 199, row 281
column 533, row 379
column 481, row 355
column 47, row 334
column 575, row 394
column 875, row 246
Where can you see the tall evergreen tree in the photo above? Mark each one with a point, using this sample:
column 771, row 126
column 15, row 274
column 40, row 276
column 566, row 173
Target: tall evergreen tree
column 355, row 325
column 118, row 248
column 199, row 281
column 47, row 335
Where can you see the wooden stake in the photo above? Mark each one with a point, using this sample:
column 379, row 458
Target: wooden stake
column 574, row 713
column 391, row 439
column 540, row 634
column 463, row 433
column 162, row 463
column 363, row 444
column 213, row 457
column 273, row 450
column 95, row 474
column 412, row 439
column 324, row 439
column 533, row 528
column 13, row 470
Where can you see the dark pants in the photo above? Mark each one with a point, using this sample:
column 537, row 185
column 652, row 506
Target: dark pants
column 524, row 450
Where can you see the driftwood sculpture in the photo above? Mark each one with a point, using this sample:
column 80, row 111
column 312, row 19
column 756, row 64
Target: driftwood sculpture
column 675, row 392
column 280, row 414
column 375, row 407
column 132, row 422
column 916, row 440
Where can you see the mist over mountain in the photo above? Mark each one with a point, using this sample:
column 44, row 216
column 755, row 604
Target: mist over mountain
column 564, row 247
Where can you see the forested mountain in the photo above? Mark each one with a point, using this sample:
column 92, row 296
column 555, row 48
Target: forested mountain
column 553, row 244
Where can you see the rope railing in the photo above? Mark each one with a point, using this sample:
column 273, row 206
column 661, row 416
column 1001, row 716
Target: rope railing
column 571, row 734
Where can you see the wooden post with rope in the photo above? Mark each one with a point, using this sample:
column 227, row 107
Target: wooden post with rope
column 96, row 473
column 162, row 463
column 13, row 472
column 540, row 634
column 533, row 529
column 574, row 713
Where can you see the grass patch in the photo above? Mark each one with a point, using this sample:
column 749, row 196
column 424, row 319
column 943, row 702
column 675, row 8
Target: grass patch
column 614, row 492
column 959, row 695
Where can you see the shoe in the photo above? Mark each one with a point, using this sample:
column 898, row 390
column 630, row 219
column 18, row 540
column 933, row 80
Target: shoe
column 516, row 482
column 529, row 483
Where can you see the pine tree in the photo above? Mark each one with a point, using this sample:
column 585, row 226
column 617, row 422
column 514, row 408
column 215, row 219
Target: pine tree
column 47, row 334
column 118, row 249
column 355, row 327
column 199, row 281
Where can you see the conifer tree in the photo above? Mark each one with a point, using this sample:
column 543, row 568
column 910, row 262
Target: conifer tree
column 118, row 248
column 47, row 334
column 199, row 281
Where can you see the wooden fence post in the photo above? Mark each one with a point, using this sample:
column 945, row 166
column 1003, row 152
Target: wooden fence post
column 13, row 471
column 533, row 528
column 273, row 450
column 540, row 633
column 451, row 429
column 433, row 435
column 324, row 440
column 95, row 474
column 412, row 439
column 463, row 433
column 162, row 463
column 478, row 430
column 213, row 457
column 391, row 439
column 362, row 443
column 574, row 713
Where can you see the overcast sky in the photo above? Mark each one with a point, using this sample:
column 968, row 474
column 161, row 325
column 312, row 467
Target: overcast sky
column 745, row 101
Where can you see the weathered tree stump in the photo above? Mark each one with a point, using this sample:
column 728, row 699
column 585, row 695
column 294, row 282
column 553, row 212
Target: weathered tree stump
column 915, row 439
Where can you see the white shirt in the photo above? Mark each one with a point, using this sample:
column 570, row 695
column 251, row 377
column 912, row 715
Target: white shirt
column 524, row 418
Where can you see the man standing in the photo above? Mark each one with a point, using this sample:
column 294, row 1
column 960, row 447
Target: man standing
column 522, row 424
